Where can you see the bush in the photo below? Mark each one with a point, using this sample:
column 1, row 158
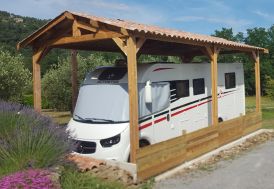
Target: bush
column 14, row 76
column 56, row 83
column 34, row 179
column 28, row 139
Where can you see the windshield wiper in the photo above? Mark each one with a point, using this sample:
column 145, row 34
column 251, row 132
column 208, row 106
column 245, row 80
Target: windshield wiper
column 100, row 120
column 92, row 120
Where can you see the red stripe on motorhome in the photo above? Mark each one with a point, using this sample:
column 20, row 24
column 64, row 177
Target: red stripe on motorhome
column 177, row 113
column 159, row 120
column 145, row 126
column 191, row 107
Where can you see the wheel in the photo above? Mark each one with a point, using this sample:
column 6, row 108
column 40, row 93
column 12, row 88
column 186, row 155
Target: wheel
column 220, row 119
column 143, row 143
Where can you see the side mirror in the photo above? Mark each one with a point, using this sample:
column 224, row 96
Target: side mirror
column 148, row 93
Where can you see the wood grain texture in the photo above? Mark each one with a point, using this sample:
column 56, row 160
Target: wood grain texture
column 155, row 159
column 133, row 98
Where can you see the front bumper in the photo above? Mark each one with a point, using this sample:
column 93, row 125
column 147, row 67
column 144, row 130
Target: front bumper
column 119, row 152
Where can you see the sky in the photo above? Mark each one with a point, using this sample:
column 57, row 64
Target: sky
column 198, row 16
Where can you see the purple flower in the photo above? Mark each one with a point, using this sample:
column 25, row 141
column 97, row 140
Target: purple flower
column 29, row 179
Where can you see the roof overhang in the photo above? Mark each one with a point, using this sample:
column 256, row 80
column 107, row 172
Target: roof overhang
column 72, row 30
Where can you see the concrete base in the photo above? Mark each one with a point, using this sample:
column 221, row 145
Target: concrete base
column 129, row 167
column 208, row 155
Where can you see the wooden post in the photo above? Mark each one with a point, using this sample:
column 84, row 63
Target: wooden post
column 213, row 55
column 36, row 74
column 133, row 98
column 74, row 76
column 257, row 81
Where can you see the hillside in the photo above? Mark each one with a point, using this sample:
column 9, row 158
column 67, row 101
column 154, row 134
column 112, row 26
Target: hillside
column 14, row 28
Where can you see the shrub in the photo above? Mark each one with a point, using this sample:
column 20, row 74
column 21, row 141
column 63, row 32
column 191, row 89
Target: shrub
column 14, row 76
column 28, row 139
column 56, row 83
column 34, row 179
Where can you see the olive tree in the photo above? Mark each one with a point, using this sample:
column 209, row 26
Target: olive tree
column 14, row 76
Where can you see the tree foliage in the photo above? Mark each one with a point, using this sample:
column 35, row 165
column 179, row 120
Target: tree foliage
column 258, row 37
column 14, row 76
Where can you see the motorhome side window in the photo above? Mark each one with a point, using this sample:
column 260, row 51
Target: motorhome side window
column 198, row 86
column 179, row 89
column 230, row 80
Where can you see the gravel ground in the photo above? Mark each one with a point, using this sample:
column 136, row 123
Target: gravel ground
column 253, row 169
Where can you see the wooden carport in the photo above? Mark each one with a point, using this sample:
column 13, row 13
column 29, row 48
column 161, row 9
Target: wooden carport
column 78, row 31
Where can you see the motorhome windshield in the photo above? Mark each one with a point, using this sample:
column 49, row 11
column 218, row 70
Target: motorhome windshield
column 108, row 103
column 102, row 103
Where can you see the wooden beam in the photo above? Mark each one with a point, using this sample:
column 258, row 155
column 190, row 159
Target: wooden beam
column 140, row 43
column 86, row 26
column 42, row 30
column 36, row 74
column 133, row 98
column 256, row 56
column 213, row 54
column 84, row 38
column 74, row 76
column 75, row 30
column 121, row 44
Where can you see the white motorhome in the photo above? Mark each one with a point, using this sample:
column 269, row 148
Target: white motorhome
column 173, row 98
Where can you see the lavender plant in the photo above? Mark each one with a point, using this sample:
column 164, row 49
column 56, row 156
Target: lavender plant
column 29, row 179
column 28, row 139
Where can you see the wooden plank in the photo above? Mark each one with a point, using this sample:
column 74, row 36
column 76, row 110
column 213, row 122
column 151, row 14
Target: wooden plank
column 154, row 159
column 201, row 132
column 252, row 128
column 161, row 146
column 161, row 156
column 230, row 130
column 202, row 148
column 74, row 76
column 133, row 98
column 157, row 169
column 203, row 139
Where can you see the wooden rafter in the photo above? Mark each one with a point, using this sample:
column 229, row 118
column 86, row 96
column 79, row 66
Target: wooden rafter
column 44, row 29
column 140, row 43
column 121, row 44
column 86, row 26
column 84, row 38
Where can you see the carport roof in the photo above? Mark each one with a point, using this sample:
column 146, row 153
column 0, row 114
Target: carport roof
column 65, row 20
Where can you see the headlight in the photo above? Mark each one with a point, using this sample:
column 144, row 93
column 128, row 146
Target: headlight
column 108, row 142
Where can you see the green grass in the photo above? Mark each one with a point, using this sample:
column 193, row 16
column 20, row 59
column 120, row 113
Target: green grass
column 58, row 117
column 71, row 179
column 267, row 110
